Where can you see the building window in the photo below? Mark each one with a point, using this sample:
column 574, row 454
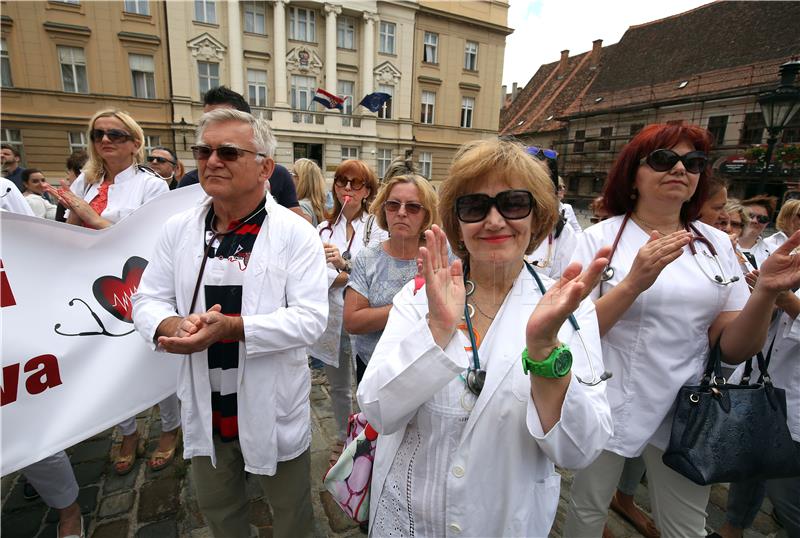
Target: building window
column 346, row 89
column 140, row 7
column 303, row 89
column 717, row 126
column 428, row 107
column 430, row 50
column 143, row 76
column 471, row 56
column 73, row 69
column 257, row 87
column 574, row 183
column 752, row 129
column 255, row 18
column 5, row 66
column 150, row 142
column 387, row 32
column 385, row 112
column 597, row 184
column 349, row 152
column 345, row 33
column 208, row 76
column 605, row 139
column 425, row 164
column 77, row 141
column 205, row 11
column 467, row 107
column 13, row 138
column 791, row 133
column 384, row 159
column 302, row 24
column 635, row 128
column 580, row 137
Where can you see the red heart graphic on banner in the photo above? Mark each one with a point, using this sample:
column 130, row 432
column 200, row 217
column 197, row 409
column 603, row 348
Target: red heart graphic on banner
column 114, row 294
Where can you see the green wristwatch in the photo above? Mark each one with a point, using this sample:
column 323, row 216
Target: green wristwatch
column 557, row 364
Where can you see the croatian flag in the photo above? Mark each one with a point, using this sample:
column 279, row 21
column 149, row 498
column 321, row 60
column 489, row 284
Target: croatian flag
column 328, row 100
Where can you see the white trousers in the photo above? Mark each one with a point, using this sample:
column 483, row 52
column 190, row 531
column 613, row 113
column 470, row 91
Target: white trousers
column 170, row 411
column 679, row 505
column 54, row 480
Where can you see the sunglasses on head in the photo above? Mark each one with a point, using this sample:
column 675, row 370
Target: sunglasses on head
column 393, row 206
column 662, row 160
column 761, row 219
column 341, row 181
column 224, row 153
column 514, row 204
column 549, row 153
column 161, row 160
column 114, row 135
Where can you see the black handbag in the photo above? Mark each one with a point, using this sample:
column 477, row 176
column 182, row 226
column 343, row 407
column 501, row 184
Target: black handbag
column 724, row 432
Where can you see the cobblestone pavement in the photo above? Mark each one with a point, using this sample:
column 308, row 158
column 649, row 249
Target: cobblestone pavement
column 146, row 504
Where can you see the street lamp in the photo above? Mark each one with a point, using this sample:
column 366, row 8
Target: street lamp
column 778, row 107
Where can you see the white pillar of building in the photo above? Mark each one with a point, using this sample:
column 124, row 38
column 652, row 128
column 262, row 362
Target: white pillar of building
column 368, row 60
column 235, row 52
column 279, row 44
column 331, row 11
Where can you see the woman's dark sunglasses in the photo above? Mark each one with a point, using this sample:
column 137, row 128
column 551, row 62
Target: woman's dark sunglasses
column 115, row 136
column 162, row 160
column 341, row 181
column 512, row 205
column 662, row 160
column 761, row 219
column 393, row 206
column 225, row 153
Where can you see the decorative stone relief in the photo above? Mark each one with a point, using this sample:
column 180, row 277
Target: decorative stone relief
column 386, row 73
column 303, row 60
column 207, row 49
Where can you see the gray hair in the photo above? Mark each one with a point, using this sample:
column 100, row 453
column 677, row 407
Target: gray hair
column 263, row 139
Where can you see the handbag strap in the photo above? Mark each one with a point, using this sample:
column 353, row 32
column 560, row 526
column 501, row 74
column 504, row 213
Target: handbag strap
column 763, row 364
column 713, row 371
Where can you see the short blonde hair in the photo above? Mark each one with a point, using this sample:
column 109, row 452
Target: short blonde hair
column 504, row 160
column 427, row 197
column 790, row 210
column 94, row 170
column 734, row 205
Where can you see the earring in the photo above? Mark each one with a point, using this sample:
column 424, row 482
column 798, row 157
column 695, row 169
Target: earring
column 634, row 195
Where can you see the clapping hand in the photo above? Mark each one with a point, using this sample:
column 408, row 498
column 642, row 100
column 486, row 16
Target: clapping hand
column 444, row 286
column 76, row 204
column 197, row 332
column 654, row 256
column 781, row 271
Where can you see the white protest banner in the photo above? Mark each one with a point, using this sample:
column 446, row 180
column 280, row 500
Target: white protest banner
column 73, row 365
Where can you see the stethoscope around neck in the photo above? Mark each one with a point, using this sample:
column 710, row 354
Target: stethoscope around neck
column 720, row 278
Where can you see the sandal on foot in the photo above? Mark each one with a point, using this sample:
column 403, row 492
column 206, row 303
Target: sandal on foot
column 647, row 528
column 124, row 464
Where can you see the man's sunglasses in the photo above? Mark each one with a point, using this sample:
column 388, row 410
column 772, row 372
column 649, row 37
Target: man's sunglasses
column 549, row 153
column 115, row 136
column 393, row 206
column 761, row 219
column 161, row 160
column 662, row 160
column 224, row 153
column 341, row 181
column 515, row 204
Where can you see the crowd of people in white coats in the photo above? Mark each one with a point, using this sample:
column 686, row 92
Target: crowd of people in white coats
column 488, row 337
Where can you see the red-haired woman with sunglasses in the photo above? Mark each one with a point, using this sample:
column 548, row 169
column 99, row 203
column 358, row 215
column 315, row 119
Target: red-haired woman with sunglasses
column 346, row 231
column 472, row 391
column 658, row 309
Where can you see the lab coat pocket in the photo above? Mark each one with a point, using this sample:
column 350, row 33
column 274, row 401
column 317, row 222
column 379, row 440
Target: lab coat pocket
column 540, row 510
column 521, row 384
column 272, row 283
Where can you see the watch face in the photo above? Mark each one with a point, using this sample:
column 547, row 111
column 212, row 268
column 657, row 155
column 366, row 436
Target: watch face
column 563, row 363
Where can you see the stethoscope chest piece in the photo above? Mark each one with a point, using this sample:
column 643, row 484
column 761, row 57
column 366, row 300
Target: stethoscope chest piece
column 475, row 380
column 607, row 274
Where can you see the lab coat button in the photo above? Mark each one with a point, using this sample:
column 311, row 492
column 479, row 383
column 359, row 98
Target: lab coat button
column 458, row 471
column 454, row 527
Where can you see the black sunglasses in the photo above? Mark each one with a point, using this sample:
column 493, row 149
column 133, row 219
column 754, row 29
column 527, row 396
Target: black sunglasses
column 514, row 204
column 761, row 219
column 662, row 160
column 341, row 181
column 393, row 206
column 115, row 136
column 162, row 160
column 225, row 153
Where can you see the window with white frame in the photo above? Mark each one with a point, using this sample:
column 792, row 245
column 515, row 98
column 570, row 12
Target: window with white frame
column 467, row 108
column 257, row 87
column 346, row 33
column 143, row 75
column 140, row 7
column 349, row 152
column 205, row 11
column 150, row 142
column 255, row 17
column 428, row 107
column 425, row 164
column 73, row 69
column 430, row 49
column 302, row 24
column 77, row 141
column 5, row 65
column 12, row 137
column 385, row 112
column 303, row 89
column 386, row 34
column 208, row 76
column 471, row 56
column 346, row 89
column 384, row 160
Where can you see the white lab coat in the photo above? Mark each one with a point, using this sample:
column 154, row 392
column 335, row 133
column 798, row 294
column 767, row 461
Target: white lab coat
column 41, row 207
column 326, row 348
column 503, row 481
column 775, row 240
column 132, row 188
column 12, row 200
column 284, row 309
column 661, row 342
column 557, row 256
column 572, row 220
column 760, row 251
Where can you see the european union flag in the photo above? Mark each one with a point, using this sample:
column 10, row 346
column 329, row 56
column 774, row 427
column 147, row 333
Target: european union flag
column 374, row 101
